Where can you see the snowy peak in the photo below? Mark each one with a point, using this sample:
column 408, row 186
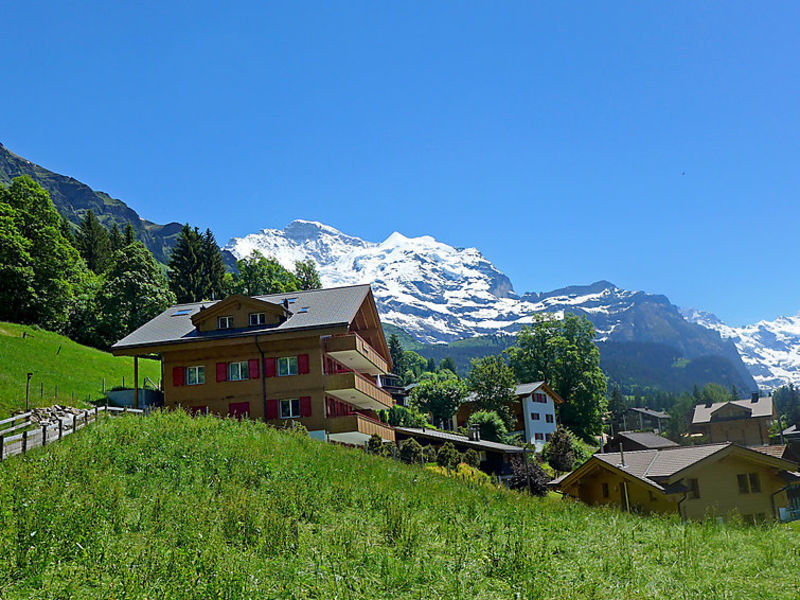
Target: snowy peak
column 770, row 349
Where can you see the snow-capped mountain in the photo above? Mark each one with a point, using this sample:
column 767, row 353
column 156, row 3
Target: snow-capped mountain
column 770, row 349
column 439, row 293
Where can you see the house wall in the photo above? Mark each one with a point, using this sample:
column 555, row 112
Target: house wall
column 540, row 426
column 642, row 497
column 747, row 432
column 719, row 490
column 240, row 311
column 218, row 396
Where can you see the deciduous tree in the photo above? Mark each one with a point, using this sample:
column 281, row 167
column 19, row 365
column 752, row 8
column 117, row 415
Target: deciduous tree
column 439, row 396
column 492, row 382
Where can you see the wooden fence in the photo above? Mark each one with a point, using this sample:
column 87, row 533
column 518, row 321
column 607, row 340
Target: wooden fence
column 33, row 435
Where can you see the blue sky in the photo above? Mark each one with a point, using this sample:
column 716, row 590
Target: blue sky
column 653, row 145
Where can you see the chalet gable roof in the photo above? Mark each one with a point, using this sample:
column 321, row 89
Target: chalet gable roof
column 235, row 301
column 744, row 409
column 310, row 309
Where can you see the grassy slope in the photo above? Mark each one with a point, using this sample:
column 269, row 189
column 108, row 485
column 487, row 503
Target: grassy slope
column 170, row 507
column 74, row 368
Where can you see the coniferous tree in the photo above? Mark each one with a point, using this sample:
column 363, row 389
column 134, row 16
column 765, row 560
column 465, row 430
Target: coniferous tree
column 129, row 237
column 66, row 231
column 185, row 266
column 93, row 243
column 447, row 364
column 396, row 354
column 213, row 269
column 616, row 409
column 115, row 238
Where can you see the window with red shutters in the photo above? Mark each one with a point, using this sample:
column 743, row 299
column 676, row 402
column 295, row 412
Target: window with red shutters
column 272, row 409
column 177, row 376
column 222, row 371
column 269, row 368
column 252, row 368
column 305, row 406
column 302, row 364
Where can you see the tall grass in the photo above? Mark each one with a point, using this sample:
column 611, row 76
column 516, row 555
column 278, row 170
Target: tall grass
column 56, row 360
column 173, row 507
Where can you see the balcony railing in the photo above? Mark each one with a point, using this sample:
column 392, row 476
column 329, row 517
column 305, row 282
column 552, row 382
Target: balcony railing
column 357, row 429
column 356, row 390
column 354, row 352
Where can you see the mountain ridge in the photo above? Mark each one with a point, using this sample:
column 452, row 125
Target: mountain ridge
column 439, row 294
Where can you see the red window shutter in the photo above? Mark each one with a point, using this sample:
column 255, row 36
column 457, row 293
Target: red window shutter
column 177, row 376
column 252, row 368
column 302, row 364
column 222, row 371
column 272, row 409
column 305, row 406
column 269, row 367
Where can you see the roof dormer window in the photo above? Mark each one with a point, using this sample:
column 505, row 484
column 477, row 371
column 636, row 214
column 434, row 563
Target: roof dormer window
column 258, row 319
column 224, row 322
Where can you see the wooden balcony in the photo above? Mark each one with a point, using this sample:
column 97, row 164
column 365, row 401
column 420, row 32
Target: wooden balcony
column 357, row 391
column 355, row 353
column 356, row 429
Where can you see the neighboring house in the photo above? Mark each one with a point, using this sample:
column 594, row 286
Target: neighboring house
column 311, row 357
column 639, row 419
column 742, row 421
column 394, row 385
column 637, row 440
column 791, row 434
column 534, row 411
column 495, row 457
column 693, row 481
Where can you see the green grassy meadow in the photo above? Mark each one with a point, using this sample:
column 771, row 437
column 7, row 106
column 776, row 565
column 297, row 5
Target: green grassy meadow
column 167, row 506
column 56, row 360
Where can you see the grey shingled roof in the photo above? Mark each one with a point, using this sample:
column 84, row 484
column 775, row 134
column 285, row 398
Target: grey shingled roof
column 647, row 439
column 324, row 308
column 762, row 408
column 525, row 389
column 651, row 465
column 460, row 439
column 651, row 413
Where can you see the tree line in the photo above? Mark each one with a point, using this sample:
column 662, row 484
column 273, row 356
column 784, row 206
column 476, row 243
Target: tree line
column 560, row 352
column 96, row 284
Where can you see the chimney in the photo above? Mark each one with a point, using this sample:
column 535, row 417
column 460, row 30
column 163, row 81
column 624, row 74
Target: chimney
column 621, row 453
column 474, row 433
column 754, row 397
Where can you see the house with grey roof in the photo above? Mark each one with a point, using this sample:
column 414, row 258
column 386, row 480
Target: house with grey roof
column 312, row 357
column 637, row 440
column 641, row 418
column 694, row 482
column 742, row 421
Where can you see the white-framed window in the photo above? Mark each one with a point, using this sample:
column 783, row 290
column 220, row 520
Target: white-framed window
column 287, row 365
column 290, row 408
column 225, row 322
column 535, row 416
column 258, row 319
column 195, row 375
column 237, row 371
column 549, row 419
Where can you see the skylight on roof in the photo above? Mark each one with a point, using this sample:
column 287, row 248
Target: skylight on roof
column 183, row 311
column 291, row 300
column 303, row 310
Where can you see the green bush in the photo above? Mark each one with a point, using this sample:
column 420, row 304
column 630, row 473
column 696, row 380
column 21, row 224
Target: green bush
column 491, row 425
column 430, row 453
column 411, row 451
column 448, row 456
column 472, row 458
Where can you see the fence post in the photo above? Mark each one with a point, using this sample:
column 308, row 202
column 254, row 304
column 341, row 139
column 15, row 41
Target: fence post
column 24, row 441
column 60, row 429
column 74, row 423
column 104, row 385
column 56, row 391
column 96, row 413
column 44, row 435
column 2, row 447
column 41, row 390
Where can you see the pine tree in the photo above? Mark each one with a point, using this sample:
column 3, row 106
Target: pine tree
column 213, row 269
column 66, row 231
column 396, row 354
column 130, row 237
column 115, row 238
column 93, row 243
column 185, row 264
column 448, row 364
